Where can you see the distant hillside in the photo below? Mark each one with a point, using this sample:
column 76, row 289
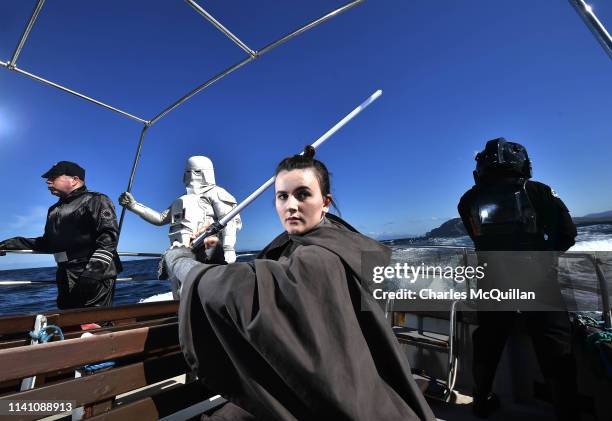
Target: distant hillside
column 606, row 214
column 454, row 227
column 451, row 228
column 583, row 221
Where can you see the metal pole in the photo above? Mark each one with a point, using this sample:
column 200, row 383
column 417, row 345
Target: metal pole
column 605, row 295
column 597, row 28
column 13, row 61
column 138, row 254
column 452, row 359
column 134, row 165
column 200, row 88
column 54, row 282
column 120, row 253
column 251, row 57
column 12, row 65
column 70, row 91
column 218, row 226
column 308, row 26
column 3, row 64
column 221, row 28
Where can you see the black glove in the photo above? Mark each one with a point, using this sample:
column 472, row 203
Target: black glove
column 88, row 287
column 20, row 243
column 101, row 265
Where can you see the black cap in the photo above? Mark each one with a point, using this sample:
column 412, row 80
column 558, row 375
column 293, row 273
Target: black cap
column 65, row 168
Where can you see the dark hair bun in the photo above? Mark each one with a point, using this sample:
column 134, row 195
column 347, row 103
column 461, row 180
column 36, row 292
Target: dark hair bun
column 305, row 161
column 309, row 151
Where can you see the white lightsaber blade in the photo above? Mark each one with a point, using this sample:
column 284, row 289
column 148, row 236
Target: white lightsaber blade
column 219, row 225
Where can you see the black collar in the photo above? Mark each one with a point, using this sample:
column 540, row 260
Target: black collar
column 73, row 194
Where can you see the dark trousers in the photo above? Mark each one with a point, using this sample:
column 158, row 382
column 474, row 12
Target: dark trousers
column 76, row 292
column 551, row 337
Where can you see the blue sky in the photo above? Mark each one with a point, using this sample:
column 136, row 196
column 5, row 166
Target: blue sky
column 454, row 74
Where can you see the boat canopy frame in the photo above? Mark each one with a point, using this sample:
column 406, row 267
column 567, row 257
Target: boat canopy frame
column 594, row 24
column 11, row 65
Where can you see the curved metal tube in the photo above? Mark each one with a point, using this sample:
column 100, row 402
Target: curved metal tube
column 452, row 358
column 252, row 54
column 309, row 25
column 133, row 173
column 200, row 88
column 252, row 57
column 75, row 93
column 221, row 28
column 26, row 32
column 603, row 291
column 597, row 28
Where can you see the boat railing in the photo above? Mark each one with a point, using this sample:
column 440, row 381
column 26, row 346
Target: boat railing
column 145, row 277
column 593, row 257
column 121, row 253
column 65, row 319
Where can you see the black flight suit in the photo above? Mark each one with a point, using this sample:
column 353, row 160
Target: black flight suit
column 82, row 232
column 552, row 230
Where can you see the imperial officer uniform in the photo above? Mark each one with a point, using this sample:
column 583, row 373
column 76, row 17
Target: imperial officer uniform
column 82, row 233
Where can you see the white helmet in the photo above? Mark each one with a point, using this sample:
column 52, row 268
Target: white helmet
column 199, row 172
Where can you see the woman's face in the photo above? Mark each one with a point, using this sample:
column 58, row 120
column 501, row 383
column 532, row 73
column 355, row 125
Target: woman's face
column 299, row 201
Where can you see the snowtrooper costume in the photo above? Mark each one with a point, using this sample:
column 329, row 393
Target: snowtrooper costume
column 203, row 204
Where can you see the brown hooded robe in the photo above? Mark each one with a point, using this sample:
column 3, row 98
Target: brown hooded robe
column 286, row 337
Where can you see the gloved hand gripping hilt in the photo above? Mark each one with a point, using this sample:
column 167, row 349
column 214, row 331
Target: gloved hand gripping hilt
column 212, row 229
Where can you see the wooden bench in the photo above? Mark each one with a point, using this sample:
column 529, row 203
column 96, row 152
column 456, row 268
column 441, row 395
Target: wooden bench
column 141, row 340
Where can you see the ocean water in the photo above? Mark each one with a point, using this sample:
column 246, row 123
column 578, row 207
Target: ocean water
column 35, row 298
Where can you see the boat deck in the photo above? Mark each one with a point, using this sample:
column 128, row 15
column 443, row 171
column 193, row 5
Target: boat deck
column 149, row 381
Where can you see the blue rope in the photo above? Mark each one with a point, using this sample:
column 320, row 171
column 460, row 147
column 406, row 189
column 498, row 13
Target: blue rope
column 90, row 368
column 44, row 337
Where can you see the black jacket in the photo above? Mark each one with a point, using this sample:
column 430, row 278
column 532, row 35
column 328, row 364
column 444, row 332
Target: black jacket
column 555, row 228
column 84, row 226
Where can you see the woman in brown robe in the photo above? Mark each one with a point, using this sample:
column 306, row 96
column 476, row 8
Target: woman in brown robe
column 295, row 334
